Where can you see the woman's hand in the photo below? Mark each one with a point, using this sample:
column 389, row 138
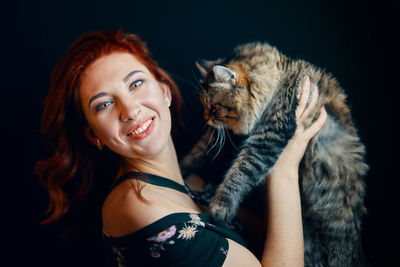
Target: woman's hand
column 291, row 156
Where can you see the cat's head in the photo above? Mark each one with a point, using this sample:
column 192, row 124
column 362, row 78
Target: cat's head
column 236, row 91
column 226, row 96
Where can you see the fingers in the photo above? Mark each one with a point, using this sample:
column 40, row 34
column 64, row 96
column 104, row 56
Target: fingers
column 302, row 95
column 306, row 107
column 318, row 123
column 313, row 102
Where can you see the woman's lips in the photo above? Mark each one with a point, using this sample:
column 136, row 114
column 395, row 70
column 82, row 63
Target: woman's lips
column 142, row 129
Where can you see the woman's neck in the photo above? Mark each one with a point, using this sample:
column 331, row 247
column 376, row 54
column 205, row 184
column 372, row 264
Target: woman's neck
column 164, row 164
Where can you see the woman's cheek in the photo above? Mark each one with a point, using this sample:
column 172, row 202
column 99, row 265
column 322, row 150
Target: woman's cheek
column 109, row 131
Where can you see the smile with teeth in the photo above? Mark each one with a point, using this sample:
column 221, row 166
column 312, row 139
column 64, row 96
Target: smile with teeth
column 141, row 129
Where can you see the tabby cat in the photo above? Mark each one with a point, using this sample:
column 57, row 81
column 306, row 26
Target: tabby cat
column 253, row 92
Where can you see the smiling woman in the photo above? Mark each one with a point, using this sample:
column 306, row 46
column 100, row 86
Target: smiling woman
column 64, row 125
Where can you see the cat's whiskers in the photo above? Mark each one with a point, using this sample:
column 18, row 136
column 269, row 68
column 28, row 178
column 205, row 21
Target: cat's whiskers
column 229, row 136
column 216, row 141
column 219, row 142
column 221, row 133
column 197, row 86
column 209, row 140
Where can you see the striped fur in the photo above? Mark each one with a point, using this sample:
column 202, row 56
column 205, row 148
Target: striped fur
column 252, row 92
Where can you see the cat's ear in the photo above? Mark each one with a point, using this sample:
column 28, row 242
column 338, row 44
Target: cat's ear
column 225, row 74
column 201, row 69
column 204, row 66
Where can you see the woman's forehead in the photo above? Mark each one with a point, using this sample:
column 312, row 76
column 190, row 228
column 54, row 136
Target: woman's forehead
column 111, row 68
column 114, row 64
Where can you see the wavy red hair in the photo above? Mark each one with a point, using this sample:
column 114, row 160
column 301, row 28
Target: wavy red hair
column 63, row 121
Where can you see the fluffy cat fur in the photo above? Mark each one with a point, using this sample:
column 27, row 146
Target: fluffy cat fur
column 253, row 93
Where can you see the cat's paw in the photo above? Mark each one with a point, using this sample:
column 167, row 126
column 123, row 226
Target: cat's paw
column 223, row 209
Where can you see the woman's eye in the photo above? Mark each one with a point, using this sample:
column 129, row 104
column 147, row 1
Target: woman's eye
column 135, row 84
column 103, row 105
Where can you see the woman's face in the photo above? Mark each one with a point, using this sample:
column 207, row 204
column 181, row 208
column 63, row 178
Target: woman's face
column 125, row 106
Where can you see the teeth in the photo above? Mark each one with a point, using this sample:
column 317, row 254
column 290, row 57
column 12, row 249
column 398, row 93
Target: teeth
column 141, row 129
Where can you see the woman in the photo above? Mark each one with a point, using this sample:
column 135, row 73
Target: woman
column 108, row 91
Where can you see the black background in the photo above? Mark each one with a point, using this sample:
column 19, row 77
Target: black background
column 352, row 40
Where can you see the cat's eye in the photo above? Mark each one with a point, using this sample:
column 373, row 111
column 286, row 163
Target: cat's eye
column 135, row 84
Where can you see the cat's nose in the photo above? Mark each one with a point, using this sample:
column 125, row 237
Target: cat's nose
column 209, row 114
column 213, row 110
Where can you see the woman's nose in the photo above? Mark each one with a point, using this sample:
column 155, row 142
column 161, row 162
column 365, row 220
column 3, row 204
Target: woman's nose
column 128, row 110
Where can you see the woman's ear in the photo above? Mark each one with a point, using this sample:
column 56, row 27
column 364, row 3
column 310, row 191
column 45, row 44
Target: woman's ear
column 167, row 92
column 90, row 135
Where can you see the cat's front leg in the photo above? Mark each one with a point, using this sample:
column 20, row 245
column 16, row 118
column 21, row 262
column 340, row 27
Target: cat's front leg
column 225, row 203
column 251, row 167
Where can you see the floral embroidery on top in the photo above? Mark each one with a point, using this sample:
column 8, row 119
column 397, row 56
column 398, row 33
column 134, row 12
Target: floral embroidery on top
column 195, row 219
column 161, row 239
column 225, row 251
column 188, row 232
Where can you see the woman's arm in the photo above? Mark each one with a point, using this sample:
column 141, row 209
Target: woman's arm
column 284, row 244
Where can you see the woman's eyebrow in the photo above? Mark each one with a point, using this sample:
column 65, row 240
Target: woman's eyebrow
column 96, row 96
column 130, row 75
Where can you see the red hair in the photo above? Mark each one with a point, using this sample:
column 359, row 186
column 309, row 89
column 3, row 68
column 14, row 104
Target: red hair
column 63, row 121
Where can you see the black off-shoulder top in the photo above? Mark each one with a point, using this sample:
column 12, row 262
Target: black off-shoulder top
column 178, row 239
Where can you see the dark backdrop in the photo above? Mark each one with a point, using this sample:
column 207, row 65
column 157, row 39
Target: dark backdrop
column 352, row 40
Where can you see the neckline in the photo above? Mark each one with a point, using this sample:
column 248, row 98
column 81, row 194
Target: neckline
column 151, row 179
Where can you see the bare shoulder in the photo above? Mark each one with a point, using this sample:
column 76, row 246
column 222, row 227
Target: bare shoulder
column 123, row 212
column 240, row 256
